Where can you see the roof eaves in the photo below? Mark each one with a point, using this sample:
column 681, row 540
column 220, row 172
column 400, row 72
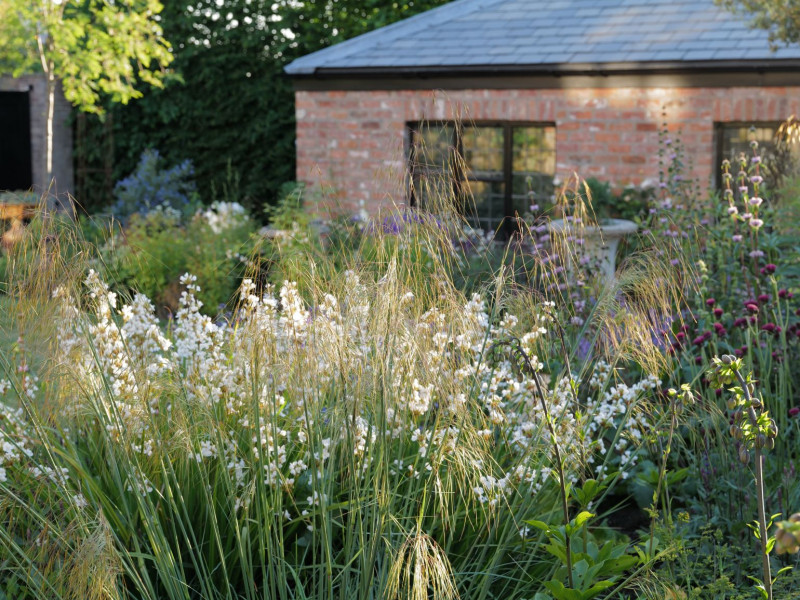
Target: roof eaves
column 556, row 69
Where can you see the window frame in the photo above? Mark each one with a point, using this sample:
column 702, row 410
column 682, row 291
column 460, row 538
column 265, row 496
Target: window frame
column 458, row 126
column 719, row 142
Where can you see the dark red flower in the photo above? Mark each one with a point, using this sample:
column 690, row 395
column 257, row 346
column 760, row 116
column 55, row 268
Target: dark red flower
column 769, row 269
column 764, row 298
column 740, row 322
column 794, row 411
column 710, row 302
column 752, row 308
column 770, row 327
column 718, row 312
column 784, row 293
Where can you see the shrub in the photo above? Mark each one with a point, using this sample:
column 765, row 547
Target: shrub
column 152, row 187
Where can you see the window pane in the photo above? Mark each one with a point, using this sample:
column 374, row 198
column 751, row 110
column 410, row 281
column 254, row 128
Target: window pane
column 485, row 209
column 433, row 150
column 534, row 166
column 483, row 158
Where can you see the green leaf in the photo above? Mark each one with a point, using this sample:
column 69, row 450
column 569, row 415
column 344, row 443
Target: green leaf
column 581, row 518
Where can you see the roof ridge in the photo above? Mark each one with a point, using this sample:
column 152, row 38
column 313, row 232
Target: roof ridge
column 343, row 49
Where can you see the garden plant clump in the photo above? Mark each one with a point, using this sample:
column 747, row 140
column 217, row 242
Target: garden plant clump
column 399, row 407
column 362, row 421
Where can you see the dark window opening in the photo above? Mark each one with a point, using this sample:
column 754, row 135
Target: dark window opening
column 493, row 171
column 15, row 141
column 778, row 160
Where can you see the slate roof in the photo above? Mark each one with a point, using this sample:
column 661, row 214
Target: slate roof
column 508, row 34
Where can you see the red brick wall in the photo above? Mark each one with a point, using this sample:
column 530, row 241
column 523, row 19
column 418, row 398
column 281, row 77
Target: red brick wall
column 350, row 144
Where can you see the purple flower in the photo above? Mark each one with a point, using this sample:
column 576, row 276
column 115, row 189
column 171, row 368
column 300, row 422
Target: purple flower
column 710, row 302
column 769, row 268
column 752, row 308
column 755, row 201
column 736, row 237
column 756, row 179
column 755, row 160
column 764, row 298
column 718, row 312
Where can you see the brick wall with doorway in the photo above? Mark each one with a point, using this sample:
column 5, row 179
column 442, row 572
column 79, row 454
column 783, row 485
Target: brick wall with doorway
column 36, row 86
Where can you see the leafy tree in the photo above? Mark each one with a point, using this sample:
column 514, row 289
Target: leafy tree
column 780, row 17
column 96, row 48
column 233, row 112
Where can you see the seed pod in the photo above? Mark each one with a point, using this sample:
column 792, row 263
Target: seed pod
column 761, row 440
column 732, row 430
column 795, row 518
column 744, row 455
column 727, row 359
column 770, row 444
column 738, row 434
column 757, row 403
column 773, row 429
column 732, row 403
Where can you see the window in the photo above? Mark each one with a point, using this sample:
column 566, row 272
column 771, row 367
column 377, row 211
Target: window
column 778, row 160
column 493, row 170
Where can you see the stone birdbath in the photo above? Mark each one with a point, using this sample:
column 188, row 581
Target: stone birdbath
column 600, row 241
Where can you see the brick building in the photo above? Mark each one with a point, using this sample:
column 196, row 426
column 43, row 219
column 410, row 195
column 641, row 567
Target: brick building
column 23, row 125
column 528, row 90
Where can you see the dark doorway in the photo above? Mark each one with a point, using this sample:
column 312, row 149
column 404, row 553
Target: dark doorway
column 15, row 141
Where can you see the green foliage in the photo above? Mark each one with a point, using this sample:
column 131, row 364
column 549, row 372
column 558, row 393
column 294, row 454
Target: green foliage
column 234, row 107
column 157, row 248
column 780, row 17
column 98, row 50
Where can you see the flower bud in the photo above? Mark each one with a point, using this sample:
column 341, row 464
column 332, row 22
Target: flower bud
column 744, row 455
column 727, row 359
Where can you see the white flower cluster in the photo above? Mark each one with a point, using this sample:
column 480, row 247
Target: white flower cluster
column 14, row 443
column 292, row 380
column 224, row 215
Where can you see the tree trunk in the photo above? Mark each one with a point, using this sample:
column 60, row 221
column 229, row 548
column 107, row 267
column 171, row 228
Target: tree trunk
column 51, row 104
